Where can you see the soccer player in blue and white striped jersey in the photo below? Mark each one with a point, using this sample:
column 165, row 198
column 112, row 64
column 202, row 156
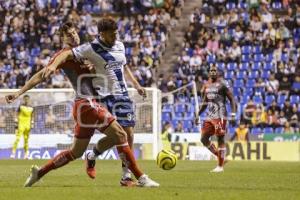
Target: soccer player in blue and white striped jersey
column 107, row 54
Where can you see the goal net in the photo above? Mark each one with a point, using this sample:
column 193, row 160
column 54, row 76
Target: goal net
column 53, row 121
column 180, row 107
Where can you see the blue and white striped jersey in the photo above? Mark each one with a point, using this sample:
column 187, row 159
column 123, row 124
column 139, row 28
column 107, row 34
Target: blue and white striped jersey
column 109, row 65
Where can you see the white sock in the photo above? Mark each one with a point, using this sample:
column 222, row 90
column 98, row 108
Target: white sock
column 126, row 173
column 92, row 156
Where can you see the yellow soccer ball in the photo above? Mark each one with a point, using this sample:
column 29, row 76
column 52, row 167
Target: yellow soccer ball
column 166, row 159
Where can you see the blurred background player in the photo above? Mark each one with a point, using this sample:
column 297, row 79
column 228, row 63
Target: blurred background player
column 241, row 133
column 88, row 114
column 25, row 121
column 214, row 99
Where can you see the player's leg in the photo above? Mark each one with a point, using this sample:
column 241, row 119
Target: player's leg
column 127, row 157
column 26, row 139
column 76, row 151
column 221, row 150
column 118, row 137
column 220, row 132
column 96, row 114
column 19, row 133
column 207, row 131
column 102, row 145
column 126, row 179
column 130, row 135
column 78, row 147
column 124, row 110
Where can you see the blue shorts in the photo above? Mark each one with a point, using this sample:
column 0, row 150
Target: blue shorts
column 122, row 108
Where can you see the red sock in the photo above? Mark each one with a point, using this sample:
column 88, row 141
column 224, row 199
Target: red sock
column 128, row 159
column 212, row 148
column 59, row 160
column 221, row 156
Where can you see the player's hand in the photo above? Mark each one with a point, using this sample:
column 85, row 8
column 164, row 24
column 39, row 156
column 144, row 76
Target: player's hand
column 50, row 69
column 11, row 97
column 142, row 91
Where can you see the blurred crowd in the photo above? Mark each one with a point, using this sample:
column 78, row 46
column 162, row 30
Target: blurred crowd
column 29, row 38
column 29, row 35
column 256, row 47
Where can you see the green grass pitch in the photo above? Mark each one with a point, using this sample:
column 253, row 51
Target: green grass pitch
column 189, row 180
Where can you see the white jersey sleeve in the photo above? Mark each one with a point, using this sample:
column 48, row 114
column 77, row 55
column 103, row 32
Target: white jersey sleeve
column 82, row 52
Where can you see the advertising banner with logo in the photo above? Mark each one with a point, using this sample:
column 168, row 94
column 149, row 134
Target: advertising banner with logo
column 282, row 137
column 48, row 153
column 274, row 151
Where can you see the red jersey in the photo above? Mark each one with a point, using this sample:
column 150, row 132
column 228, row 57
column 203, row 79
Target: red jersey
column 78, row 76
column 88, row 114
column 215, row 93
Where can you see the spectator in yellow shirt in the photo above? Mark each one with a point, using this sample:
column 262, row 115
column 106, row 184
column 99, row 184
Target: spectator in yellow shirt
column 259, row 117
column 241, row 133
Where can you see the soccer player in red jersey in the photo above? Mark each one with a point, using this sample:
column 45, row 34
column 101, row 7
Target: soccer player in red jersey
column 88, row 114
column 215, row 92
column 107, row 54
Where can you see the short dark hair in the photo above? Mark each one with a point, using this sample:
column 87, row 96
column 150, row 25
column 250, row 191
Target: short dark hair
column 26, row 95
column 107, row 24
column 64, row 27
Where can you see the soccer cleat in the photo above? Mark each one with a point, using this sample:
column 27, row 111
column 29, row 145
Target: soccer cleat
column 12, row 155
column 33, row 177
column 218, row 169
column 145, row 181
column 90, row 167
column 127, row 182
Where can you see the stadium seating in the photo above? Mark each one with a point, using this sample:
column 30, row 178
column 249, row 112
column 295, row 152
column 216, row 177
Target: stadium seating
column 268, row 130
column 255, row 61
column 279, row 130
column 269, row 99
column 256, row 131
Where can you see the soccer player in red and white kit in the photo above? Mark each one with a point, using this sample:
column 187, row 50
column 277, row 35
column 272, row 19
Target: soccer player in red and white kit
column 107, row 54
column 215, row 92
column 88, row 114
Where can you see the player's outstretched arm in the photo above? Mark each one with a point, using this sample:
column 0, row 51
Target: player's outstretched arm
column 33, row 81
column 58, row 60
column 136, row 84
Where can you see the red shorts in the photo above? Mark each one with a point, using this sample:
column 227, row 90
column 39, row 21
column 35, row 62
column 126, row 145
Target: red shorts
column 89, row 115
column 214, row 127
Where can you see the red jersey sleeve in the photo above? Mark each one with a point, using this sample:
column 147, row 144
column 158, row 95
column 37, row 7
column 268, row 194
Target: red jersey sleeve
column 57, row 54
